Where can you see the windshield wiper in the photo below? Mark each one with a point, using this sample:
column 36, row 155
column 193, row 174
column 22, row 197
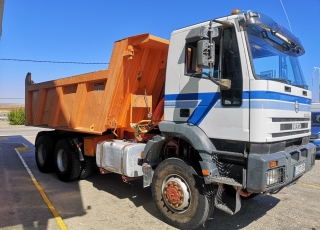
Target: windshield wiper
column 301, row 86
column 283, row 80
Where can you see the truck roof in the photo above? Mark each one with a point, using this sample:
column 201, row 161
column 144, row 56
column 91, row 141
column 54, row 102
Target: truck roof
column 187, row 28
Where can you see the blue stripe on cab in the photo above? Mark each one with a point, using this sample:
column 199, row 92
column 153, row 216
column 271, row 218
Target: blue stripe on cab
column 275, row 96
column 278, row 105
column 203, row 102
column 207, row 100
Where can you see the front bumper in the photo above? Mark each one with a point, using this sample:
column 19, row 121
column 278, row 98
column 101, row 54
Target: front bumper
column 291, row 164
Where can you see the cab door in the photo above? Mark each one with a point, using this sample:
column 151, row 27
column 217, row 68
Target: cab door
column 229, row 117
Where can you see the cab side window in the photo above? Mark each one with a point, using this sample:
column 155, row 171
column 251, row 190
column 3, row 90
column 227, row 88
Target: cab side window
column 191, row 59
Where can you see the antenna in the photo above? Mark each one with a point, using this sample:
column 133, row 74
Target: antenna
column 286, row 15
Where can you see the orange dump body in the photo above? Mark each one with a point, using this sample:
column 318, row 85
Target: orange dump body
column 131, row 87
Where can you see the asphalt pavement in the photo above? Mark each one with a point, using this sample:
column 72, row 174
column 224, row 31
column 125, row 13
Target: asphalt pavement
column 105, row 202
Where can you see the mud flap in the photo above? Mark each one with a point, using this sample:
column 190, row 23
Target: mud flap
column 218, row 197
column 147, row 174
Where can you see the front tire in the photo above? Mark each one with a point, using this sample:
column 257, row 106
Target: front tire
column 179, row 194
column 67, row 163
column 44, row 153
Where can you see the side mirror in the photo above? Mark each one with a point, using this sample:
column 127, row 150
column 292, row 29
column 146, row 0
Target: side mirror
column 204, row 54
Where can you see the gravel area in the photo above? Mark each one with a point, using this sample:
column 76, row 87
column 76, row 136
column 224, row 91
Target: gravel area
column 4, row 124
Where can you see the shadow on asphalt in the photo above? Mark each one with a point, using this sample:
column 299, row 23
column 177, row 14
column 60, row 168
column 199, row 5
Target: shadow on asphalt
column 133, row 190
column 66, row 197
column 20, row 200
column 251, row 210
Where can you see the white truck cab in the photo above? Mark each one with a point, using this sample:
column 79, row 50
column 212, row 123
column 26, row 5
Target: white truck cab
column 236, row 109
column 268, row 101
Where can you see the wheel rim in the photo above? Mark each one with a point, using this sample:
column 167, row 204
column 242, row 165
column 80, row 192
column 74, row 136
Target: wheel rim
column 62, row 160
column 41, row 154
column 176, row 193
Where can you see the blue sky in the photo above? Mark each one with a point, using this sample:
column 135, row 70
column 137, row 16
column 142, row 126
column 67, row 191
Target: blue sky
column 84, row 31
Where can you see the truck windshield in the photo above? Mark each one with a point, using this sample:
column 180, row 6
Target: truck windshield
column 272, row 57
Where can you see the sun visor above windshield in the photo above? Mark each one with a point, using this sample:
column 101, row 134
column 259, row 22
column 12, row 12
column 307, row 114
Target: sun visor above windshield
column 290, row 44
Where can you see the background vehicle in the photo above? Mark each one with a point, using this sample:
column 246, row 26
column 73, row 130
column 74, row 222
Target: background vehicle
column 315, row 126
column 223, row 104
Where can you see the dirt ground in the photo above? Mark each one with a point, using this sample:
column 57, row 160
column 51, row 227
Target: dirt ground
column 4, row 124
column 5, row 108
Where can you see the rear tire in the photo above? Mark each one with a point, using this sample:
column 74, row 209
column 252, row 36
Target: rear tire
column 67, row 163
column 87, row 167
column 179, row 194
column 44, row 152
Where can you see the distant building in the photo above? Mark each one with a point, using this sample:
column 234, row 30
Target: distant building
column 315, row 107
column 316, row 85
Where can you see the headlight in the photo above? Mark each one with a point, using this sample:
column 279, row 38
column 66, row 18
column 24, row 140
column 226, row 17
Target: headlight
column 275, row 176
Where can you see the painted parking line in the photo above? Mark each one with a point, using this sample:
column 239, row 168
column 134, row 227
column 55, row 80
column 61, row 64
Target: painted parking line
column 309, row 185
column 55, row 213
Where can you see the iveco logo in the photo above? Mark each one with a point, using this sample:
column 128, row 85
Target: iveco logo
column 296, row 106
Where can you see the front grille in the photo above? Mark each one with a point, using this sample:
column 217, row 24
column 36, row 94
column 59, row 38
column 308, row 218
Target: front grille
column 292, row 126
column 289, row 119
column 290, row 133
column 285, row 126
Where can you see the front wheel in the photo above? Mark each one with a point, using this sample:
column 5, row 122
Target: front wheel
column 180, row 194
column 67, row 163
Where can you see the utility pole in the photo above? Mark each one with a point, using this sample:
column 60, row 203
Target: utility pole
column 314, row 70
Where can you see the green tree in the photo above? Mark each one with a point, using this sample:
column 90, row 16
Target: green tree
column 16, row 116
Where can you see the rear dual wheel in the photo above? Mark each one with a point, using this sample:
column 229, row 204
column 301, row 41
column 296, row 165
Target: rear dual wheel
column 87, row 167
column 67, row 164
column 180, row 194
column 44, row 153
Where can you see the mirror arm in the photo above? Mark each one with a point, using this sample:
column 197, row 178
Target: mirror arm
column 224, row 84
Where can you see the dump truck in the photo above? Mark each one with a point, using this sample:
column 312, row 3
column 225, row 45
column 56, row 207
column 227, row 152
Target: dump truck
column 223, row 107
